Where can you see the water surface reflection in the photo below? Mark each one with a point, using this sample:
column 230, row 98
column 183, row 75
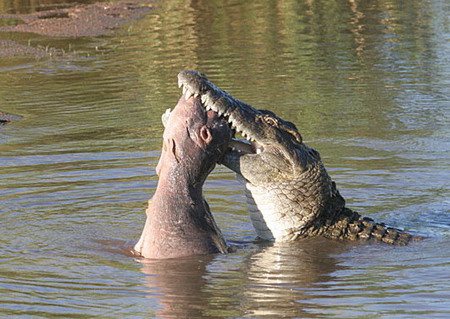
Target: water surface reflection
column 365, row 82
column 264, row 282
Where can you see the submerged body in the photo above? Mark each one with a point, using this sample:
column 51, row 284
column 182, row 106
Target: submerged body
column 289, row 192
column 179, row 222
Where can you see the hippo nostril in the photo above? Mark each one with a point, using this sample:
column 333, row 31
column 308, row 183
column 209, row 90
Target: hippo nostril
column 205, row 134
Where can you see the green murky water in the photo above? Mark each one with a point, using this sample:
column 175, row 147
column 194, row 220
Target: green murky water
column 366, row 82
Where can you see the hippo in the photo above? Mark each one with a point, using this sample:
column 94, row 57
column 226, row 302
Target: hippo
column 179, row 222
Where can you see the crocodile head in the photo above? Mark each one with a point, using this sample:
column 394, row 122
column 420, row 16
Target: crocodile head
column 287, row 187
column 265, row 134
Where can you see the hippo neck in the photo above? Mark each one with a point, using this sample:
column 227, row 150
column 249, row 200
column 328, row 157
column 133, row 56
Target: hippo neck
column 179, row 223
column 184, row 190
column 184, row 181
column 181, row 187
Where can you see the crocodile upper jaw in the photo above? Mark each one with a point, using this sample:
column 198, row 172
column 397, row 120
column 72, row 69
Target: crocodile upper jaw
column 196, row 84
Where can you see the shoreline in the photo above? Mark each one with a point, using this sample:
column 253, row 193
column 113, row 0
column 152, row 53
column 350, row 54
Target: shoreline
column 82, row 20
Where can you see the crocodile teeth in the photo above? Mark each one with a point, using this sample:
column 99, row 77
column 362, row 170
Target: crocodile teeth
column 208, row 100
column 219, row 109
column 213, row 107
column 196, row 95
column 180, row 83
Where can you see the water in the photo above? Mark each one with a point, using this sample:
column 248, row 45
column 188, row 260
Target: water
column 367, row 84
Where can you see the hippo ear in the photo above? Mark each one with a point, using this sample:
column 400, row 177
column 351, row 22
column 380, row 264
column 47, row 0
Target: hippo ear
column 165, row 117
column 205, row 134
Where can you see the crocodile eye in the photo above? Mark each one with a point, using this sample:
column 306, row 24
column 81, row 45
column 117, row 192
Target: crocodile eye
column 271, row 121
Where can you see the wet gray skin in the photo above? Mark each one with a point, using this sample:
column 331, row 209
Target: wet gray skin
column 289, row 192
column 179, row 222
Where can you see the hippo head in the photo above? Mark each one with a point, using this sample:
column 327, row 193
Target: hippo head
column 179, row 222
column 194, row 141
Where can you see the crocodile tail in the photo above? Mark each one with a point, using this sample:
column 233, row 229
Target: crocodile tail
column 351, row 225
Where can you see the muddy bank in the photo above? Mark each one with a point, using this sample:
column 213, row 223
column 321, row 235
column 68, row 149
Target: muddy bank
column 9, row 48
column 88, row 20
column 80, row 21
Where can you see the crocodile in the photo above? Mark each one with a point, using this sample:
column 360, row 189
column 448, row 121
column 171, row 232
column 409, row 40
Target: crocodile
column 289, row 192
column 179, row 222
column 6, row 118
